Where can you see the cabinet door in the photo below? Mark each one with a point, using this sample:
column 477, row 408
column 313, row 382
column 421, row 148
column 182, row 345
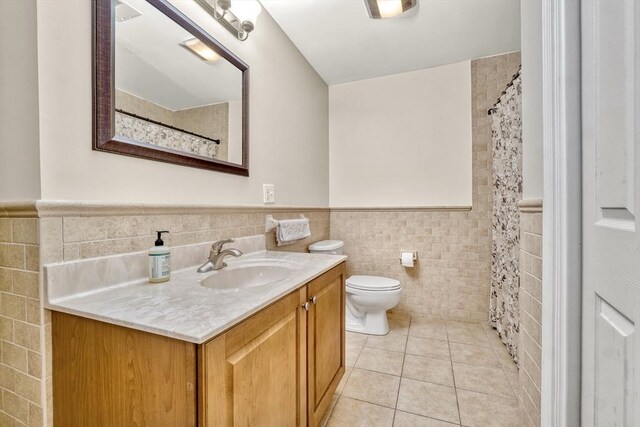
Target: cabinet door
column 254, row 375
column 325, row 340
column 109, row 375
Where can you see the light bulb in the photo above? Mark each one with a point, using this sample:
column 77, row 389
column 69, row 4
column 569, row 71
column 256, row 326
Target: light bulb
column 246, row 10
column 389, row 8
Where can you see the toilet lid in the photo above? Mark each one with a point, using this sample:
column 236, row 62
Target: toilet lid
column 372, row 283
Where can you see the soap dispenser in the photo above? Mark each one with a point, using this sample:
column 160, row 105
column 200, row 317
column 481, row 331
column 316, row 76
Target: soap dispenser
column 159, row 261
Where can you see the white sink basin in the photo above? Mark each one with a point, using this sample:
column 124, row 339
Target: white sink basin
column 250, row 274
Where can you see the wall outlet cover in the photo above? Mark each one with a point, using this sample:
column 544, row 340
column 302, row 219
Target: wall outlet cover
column 269, row 193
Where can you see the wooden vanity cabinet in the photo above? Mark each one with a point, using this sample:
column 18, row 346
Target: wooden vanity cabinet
column 280, row 367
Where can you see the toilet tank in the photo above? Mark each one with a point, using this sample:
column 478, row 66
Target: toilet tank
column 329, row 247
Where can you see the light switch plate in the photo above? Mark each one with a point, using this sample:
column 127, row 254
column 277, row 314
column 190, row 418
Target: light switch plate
column 269, row 193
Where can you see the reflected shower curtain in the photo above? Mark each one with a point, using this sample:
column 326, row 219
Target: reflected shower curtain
column 506, row 125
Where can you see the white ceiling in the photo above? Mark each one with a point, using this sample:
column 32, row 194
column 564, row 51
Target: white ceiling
column 151, row 64
column 343, row 44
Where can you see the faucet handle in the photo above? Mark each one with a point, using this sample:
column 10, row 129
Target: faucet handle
column 217, row 246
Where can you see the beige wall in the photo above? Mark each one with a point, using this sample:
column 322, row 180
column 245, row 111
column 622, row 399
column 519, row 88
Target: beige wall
column 402, row 140
column 531, row 36
column 288, row 122
column 451, row 279
column 530, row 335
column 19, row 151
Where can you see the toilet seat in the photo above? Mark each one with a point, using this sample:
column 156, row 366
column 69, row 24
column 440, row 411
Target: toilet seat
column 372, row 283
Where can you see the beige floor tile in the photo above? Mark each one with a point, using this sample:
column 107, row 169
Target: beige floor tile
column 514, row 380
column 473, row 355
column 355, row 413
column 428, row 329
column 355, row 339
column 427, row 347
column 399, row 329
column 463, row 325
column 483, row 410
column 376, row 359
column 399, row 323
column 427, row 369
column 494, row 338
column 393, row 341
column 482, row 379
column 469, row 336
column 351, row 355
column 427, row 399
column 373, row 387
column 344, row 379
column 505, row 359
column 405, row 419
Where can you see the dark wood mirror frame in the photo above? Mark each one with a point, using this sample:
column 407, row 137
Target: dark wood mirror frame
column 104, row 138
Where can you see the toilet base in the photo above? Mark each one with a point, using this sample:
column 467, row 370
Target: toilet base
column 371, row 323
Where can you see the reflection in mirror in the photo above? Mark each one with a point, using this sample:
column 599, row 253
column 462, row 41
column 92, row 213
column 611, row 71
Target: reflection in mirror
column 171, row 89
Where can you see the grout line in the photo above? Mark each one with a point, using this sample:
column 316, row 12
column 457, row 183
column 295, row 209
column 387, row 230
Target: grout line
column 453, row 374
column 404, row 357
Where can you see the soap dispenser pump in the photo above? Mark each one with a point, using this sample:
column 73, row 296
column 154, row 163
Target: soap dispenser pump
column 159, row 261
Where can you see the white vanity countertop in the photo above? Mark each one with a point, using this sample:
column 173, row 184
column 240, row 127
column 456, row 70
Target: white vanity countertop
column 181, row 308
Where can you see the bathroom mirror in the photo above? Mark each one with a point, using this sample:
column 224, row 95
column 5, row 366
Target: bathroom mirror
column 166, row 90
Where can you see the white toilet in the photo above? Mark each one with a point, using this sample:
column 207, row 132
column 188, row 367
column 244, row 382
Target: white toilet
column 368, row 297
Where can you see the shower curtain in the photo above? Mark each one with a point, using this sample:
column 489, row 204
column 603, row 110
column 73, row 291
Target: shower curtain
column 506, row 126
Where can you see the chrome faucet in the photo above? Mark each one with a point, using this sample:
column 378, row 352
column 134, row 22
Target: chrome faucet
column 217, row 256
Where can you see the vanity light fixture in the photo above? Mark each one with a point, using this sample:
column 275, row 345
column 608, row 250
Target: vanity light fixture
column 238, row 17
column 381, row 9
column 200, row 49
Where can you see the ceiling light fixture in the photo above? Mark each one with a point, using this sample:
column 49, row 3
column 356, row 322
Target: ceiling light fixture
column 381, row 9
column 239, row 18
column 197, row 47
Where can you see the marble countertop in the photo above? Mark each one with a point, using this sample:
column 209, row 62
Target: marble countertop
column 183, row 309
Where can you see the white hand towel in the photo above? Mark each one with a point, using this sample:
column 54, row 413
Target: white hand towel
column 291, row 230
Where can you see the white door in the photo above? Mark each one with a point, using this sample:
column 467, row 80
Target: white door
column 611, row 213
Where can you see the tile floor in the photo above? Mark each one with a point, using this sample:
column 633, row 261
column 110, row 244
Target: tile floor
column 427, row 374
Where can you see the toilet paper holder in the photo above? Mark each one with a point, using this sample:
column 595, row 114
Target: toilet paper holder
column 415, row 256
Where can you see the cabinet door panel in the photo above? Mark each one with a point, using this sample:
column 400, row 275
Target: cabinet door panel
column 109, row 375
column 325, row 336
column 251, row 375
column 266, row 367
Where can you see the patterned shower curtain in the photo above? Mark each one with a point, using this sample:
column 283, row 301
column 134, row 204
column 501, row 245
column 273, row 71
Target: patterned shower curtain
column 506, row 125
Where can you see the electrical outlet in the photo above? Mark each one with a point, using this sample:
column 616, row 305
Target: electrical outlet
column 269, row 193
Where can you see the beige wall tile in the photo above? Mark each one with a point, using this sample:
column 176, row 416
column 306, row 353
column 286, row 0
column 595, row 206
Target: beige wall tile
column 34, row 364
column 6, row 281
column 27, row 335
column 14, row 405
column 12, row 256
column 13, row 306
column 530, row 350
column 14, row 356
column 51, row 248
column 82, row 229
column 28, row 387
column 5, row 230
column 25, row 230
column 34, row 311
column 25, row 283
column 7, row 377
column 6, row 328
column 36, row 415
